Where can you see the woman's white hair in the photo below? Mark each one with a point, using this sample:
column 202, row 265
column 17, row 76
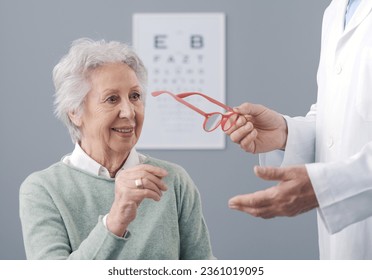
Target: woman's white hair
column 71, row 75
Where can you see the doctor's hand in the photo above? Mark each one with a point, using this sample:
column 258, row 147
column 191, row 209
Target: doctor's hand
column 293, row 194
column 258, row 129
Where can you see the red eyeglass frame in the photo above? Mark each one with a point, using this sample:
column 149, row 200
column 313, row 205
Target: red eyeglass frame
column 224, row 118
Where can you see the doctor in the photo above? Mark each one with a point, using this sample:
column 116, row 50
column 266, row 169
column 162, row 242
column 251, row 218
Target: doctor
column 325, row 158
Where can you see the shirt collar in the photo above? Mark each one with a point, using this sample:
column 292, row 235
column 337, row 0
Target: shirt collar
column 81, row 160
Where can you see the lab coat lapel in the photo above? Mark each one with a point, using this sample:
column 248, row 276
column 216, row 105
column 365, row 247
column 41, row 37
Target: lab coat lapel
column 360, row 14
column 365, row 7
column 338, row 32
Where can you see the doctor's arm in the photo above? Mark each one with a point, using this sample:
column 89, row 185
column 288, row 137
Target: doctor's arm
column 341, row 190
column 293, row 194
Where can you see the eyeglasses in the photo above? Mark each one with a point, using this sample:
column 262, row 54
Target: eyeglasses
column 212, row 120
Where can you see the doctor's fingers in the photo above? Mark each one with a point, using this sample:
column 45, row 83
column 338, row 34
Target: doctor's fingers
column 253, row 200
column 271, row 202
column 243, row 132
column 257, row 207
column 273, row 173
column 263, row 212
column 247, row 203
column 250, row 109
column 241, row 121
column 248, row 143
column 267, row 212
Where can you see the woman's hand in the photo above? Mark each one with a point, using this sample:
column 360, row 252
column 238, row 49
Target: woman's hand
column 132, row 186
column 258, row 129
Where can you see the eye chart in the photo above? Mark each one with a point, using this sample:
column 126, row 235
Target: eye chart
column 182, row 52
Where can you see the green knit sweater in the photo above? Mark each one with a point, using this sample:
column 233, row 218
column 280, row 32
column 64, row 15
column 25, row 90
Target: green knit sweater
column 61, row 211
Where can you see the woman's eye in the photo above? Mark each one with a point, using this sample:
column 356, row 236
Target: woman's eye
column 112, row 99
column 135, row 96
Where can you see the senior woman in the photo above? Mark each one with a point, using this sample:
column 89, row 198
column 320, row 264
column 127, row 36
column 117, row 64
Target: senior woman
column 105, row 200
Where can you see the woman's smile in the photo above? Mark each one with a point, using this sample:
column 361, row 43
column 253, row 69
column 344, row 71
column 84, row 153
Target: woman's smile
column 126, row 131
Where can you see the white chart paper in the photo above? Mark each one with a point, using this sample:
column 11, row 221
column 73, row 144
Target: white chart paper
column 182, row 52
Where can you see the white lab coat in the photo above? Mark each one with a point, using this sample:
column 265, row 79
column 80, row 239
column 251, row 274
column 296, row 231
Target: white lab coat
column 335, row 138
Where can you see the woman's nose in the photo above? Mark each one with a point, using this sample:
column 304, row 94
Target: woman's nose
column 126, row 110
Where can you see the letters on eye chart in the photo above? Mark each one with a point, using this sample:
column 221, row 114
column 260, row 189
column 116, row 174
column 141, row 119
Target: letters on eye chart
column 178, row 70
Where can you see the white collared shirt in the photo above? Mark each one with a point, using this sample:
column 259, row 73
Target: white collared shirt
column 81, row 160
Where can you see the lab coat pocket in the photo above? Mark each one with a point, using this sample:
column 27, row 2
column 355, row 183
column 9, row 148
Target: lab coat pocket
column 363, row 86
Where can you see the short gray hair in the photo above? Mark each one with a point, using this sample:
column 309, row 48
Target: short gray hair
column 70, row 75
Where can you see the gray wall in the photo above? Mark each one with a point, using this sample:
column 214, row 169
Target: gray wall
column 272, row 56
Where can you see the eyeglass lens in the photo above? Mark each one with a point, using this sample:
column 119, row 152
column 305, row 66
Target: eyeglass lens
column 226, row 121
column 212, row 122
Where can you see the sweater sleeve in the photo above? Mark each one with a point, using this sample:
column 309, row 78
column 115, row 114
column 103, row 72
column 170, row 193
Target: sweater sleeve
column 195, row 243
column 45, row 235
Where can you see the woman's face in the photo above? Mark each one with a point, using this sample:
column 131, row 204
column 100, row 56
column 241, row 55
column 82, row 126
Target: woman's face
column 113, row 111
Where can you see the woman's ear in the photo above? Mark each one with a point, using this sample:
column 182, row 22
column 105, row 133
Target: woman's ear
column 76, row 120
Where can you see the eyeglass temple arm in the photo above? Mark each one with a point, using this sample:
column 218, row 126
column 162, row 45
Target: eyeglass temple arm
column 157, row 93
column 186, row 94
